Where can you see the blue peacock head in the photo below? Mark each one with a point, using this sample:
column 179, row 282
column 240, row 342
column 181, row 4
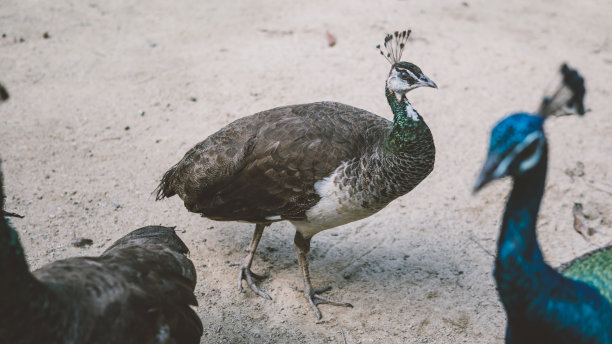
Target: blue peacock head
column 518, row 141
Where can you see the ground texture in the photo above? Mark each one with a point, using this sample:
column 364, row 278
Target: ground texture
column 107, row 95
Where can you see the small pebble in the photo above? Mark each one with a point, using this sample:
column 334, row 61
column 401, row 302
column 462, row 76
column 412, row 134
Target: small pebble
column 81, row 242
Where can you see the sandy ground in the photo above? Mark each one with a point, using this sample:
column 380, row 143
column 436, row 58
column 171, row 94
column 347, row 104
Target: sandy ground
column 122, row 89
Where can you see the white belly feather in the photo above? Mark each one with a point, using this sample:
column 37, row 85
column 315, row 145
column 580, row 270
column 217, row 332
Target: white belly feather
column 339, row 204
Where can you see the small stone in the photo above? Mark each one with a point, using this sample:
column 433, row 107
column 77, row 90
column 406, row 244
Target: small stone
column 81, row 242
column 331, row 40
column 46, row 35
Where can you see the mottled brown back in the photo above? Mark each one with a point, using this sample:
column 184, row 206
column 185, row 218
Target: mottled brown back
column 274, row 157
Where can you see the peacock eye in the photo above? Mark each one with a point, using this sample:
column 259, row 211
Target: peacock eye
column 530, row 155
column 529, row 150
column 403, row 74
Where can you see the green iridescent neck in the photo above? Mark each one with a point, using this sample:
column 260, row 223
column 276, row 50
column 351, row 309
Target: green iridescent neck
column 407, row 123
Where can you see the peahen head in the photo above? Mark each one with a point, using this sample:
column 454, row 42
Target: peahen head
column 403, row 76
column 518, row 141
column 406, row 76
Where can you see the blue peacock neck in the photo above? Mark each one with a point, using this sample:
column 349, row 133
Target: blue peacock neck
column 518, row 252
column 408, row 125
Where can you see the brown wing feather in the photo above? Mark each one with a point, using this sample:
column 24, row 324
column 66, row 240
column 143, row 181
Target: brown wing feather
column 274, row 157
column 138, row 291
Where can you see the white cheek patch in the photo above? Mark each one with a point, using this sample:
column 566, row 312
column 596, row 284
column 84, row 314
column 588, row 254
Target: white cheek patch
column 396, row 85
column 525, row 165
column 533, row 159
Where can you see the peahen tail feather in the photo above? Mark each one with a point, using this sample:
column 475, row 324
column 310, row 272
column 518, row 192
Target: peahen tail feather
column 165, row 189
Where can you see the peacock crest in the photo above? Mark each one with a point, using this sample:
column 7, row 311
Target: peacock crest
column 394, row 46
column 570, row 94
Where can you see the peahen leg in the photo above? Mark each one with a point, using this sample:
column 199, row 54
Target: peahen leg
column 302, row 247
column 245, row 272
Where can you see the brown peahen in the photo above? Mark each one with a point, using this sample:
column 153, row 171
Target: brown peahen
column 318, row 165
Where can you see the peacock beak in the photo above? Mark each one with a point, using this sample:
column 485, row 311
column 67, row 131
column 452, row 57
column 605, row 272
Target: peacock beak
column 489, row 172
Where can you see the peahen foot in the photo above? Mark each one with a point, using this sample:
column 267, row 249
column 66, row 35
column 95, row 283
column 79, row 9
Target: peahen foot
column 315, row 299
column 246, row 274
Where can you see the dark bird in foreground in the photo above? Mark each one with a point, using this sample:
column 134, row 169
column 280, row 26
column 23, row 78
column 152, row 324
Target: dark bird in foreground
column 543, row 305
column 318, row 165
column 4, row 96
column 138, row 291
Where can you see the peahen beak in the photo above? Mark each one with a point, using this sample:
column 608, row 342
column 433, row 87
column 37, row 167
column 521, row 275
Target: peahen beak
column 428, row 82
column 489, row 172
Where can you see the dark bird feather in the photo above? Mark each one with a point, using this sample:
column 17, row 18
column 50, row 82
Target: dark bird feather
column 138, row 291
column 542, row 305
column 4, row 95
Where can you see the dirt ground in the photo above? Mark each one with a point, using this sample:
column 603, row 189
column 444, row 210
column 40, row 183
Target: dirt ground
column 119, row 90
